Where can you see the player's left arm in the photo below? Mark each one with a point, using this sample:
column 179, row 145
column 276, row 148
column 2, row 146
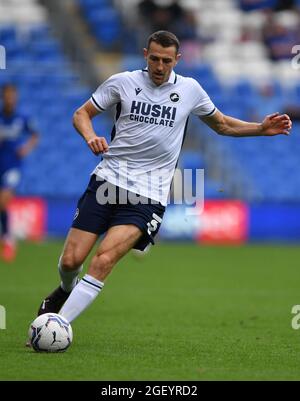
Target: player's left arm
column 29, row 145
column 273, row 124
column 32, row 138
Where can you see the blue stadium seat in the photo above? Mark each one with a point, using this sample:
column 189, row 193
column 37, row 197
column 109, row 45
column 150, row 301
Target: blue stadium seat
column 190, row 159
column 7, row 33
column 213, row 189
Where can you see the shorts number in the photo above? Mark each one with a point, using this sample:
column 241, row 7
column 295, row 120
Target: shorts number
column 152, row 226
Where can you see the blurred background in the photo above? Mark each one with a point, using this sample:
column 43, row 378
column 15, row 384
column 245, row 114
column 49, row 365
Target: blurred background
column 240, row 51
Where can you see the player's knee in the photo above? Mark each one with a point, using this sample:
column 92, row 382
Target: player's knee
column 104, row 262
column 69, row 262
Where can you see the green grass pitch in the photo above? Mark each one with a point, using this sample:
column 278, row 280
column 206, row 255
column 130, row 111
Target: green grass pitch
column 184, row 312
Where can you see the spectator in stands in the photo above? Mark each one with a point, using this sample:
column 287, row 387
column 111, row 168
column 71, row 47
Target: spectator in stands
column 18, row 137
column 285, row 5
column 294, row 112
column 280, row 38
column 185, row 27
column 276, row 5
column 147, row 9
column 251, row 5
column 169, row 17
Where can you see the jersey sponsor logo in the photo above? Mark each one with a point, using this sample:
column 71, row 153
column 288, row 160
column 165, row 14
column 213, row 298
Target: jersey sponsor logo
column 12, row 131
column 174, row 97
column 153, row 113
column 138, row 90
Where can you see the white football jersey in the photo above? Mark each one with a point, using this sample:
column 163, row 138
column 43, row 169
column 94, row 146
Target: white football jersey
column 149, row 129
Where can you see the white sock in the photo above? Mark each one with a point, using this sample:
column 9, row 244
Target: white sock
column 81, row 297
column 68, row 278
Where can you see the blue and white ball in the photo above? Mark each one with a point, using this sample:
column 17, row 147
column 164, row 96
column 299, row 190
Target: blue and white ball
column 50, row 332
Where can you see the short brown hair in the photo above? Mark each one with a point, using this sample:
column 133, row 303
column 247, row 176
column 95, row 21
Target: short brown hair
column 165, row 39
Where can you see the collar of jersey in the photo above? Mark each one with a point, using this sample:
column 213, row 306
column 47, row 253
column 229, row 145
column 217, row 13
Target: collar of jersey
column 171, row 80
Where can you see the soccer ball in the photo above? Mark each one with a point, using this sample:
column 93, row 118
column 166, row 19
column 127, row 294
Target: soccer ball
column 50, row 332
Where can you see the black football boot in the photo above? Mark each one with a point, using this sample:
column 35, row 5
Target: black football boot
column 53, row 302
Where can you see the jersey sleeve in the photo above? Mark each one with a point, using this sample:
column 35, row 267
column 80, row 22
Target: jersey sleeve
column 29, row 127
column 108, row 93
column 202, row 104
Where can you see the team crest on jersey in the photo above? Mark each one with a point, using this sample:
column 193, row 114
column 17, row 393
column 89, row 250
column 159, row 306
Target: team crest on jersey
column 174, row 97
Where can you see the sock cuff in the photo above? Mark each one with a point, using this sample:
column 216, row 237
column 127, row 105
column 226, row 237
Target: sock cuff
column 92, row 281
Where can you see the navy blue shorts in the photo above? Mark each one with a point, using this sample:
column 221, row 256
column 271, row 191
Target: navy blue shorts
column 97, row 216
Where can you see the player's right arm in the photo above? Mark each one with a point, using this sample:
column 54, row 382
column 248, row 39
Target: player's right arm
column 82, row 122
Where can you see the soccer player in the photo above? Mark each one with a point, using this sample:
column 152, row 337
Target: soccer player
column 18, row 137
column 152, row 110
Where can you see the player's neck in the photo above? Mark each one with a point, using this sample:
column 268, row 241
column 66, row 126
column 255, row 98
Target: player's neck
column 8, row 111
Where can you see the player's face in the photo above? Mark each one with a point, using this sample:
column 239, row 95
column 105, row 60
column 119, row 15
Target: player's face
column 161, row 61
column 9, row 99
